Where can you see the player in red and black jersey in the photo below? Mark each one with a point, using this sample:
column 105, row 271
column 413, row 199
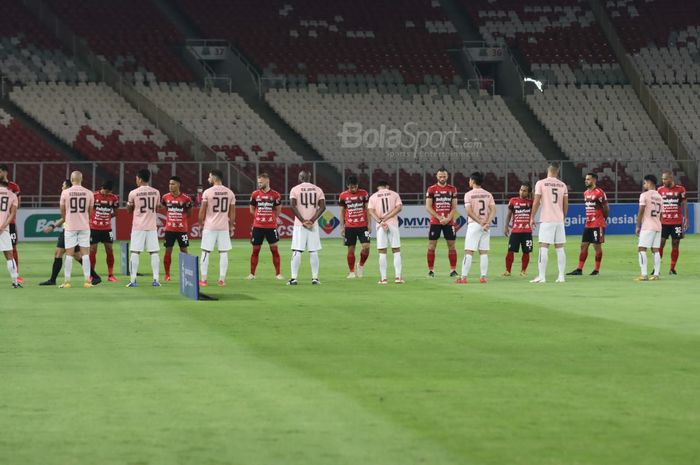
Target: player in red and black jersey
column 520, row 233
column 12, row 187
column 178, row 207
column 597, row 211
column 265, row 206
column 674, row 216
column 106, row 203
column 441, row 203
column 354, row 224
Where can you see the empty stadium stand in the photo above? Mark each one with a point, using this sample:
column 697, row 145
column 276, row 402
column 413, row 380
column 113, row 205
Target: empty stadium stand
column 132, row 34
column 363, row 41
column 559, row 41
column 28, row 52
column 490, row 139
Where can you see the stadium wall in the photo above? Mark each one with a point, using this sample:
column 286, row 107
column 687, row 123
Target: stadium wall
column 413, row 221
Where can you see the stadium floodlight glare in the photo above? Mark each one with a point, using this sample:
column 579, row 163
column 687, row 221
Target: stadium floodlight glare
column 535, row 82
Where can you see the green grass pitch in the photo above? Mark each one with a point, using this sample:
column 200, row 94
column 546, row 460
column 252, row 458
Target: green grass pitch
column 599, row 370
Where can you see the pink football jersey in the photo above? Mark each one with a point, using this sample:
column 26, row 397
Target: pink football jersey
column 383, row 202
column 653, row 205
column 477, row 201
column 220, row 200
column 78, row 201
column 307, row 196
column 145, row 200
column 552, row 192
column 8, row 199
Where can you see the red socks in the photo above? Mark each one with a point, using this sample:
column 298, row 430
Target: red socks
column 452, row 254
column 110, row 262
column 167, row 261
column 431, row 259
column 582, row 259
column 351, row 261
column 674, row 257
column 363, row 257
column 598, row 259
column 275, row 259
column 254, row 259
column 526, row 261
column 510, row 257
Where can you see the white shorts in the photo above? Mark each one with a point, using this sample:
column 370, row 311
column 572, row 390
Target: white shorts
column 5, row 241
column 306, row 239
column 552, row 233
column 477, row 238
column 81, row 238
column 140, row 241
column 650, row 239
column 389, row 237
column 219, row 239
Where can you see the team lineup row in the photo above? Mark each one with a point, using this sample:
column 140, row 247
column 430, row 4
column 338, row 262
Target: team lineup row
column 86, row 218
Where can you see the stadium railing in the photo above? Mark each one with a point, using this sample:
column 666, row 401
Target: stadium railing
column 41, row 181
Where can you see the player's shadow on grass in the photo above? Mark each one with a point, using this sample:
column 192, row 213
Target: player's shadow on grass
column 234, row 297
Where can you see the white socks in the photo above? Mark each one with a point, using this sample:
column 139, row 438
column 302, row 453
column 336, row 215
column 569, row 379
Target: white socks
column 561, row 262
column 204, row 268
column 223, row 265
column 466, row 264
column 397, row 264
column 484, row 265
column 643, row 263
column 542, row 262
column 313, row 259
column 296, row 263
column 382, row 265
column 12, row 268
column 155, row 266
column 134, row 264
column 657, row 263
column 67, row 268
column 86, row 267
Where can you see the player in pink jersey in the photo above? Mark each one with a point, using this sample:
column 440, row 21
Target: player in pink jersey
column 218, row 217
column 649, row 227
column 143, row 202
column 552, row 198
column 8, row 212
column 77, row 206
column 308, row 203
column 384, row 206
column 12, row 187
column 480, row 209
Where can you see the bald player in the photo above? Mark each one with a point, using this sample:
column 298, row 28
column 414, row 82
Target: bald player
column 77, row 206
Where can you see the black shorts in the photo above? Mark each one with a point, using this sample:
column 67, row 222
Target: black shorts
column 13, row 234
column 518, row 240
column 259, row 235
column 61, row 242
column 105, row 236
column 447, row 230
column 183, row 240
column 593, row 235
column 673, row 230
column 352, row 235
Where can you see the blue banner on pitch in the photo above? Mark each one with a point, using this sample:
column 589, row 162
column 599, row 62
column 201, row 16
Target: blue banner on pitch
column 622, row 219
column 189, row 276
